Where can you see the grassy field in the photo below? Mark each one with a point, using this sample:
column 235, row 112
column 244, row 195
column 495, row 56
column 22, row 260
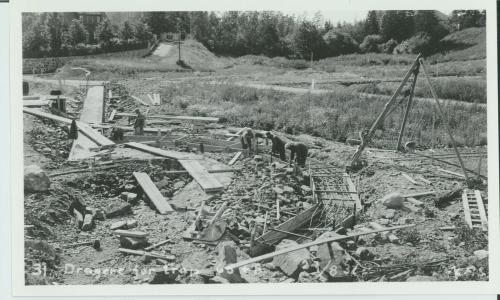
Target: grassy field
column 336, row 116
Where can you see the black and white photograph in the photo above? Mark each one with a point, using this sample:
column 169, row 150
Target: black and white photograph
column 220, row 147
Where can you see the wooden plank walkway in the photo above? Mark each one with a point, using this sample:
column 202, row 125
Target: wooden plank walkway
column 207, row 182
column 153, row 193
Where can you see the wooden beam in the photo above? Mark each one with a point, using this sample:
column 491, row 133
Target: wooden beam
column 147, row 254
column 112, row 114
column 408, row 177
column 206, row 181
column 92, row 134
column 407, row 111
column 383, row 114
column 235, row 158
column 41, row 114
column 448, row 130
column 261, row 244
column 420, row 194
column 134, row 234
column 172, row 117
column 139, row 100
column 441, row 160
column 307, row 245
column 153, row 193
column 157, row 151
column 451, row 173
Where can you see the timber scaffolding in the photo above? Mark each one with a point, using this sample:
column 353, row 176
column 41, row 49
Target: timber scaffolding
column 336, row 204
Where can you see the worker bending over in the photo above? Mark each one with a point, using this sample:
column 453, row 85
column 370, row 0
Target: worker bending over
column 139, row 123
column 278, row 145
column 298, row 153
column 246, row 137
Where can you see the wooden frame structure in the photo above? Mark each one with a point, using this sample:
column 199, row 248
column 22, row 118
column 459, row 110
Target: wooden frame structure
column 416, row 67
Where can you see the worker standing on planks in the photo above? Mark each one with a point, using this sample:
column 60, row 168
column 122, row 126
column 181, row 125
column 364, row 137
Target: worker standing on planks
column 298, row 153
column 278, row 145
column 140, row 122
column 246, row 137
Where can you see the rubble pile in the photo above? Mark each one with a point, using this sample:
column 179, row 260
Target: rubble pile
column 50, row 140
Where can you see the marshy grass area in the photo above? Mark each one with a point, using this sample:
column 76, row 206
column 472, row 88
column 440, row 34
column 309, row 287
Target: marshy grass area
column 337, row 116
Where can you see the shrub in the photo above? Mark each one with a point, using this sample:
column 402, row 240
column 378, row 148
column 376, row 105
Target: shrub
column 388, row 47
column 371, row 43
column 419, row 43
column 339, row 43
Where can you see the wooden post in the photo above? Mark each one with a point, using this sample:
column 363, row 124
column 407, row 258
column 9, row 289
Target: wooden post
column 383, row 114
column 448, row 130
column 407, row 111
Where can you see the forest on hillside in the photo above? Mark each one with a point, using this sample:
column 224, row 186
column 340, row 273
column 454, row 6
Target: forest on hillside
column 237, row 33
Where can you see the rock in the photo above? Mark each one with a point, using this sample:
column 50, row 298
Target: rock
column 481, row 254
column 118, row 225
column 364, row 254
column 336, row 256
column 131, row 198
column 421, row 278
column 164, row 275
column 131, row 223
column 132, row 243
column 35, row 179
column 288, row 190
column 227, row 255
column 278, row 190
column 179, row 185
column 393, row 200
column 115, row 209
column 390, row 213
column 383, row 222
column 162, row 183
column 257, row 157
column 129, row 187
column 305, row 189
column 305, row 277
column 290, row 262
column 218, row 279
column 98, row 214
column 88, row 222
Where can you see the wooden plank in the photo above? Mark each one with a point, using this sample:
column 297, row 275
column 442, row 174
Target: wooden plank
column 452, row 173
column 151, row 99
column 41, row 114
column 147, row 254
column 129, row 233
column 35, row 103
column 421, row 178
column 112, row 114
column 420, row 194
column 353, row 192
column 153, row 193
column 465, row 203
column 482, row 211
column 206, row 181
column 235, row 158
column 263, row 243
column 173, row 117
column 157, row 151
column 307, row 245
column 408, row 177
column 236, row 135
column 139, row 100
column 92, row 134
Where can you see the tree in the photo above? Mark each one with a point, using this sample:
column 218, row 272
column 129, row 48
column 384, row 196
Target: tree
column 55, row 26
column 427, row 22
column 142, row 32
column 371, row 24
column 308, row 42
column 338, row 43
column 36, row 38
column 371, row 43
column 156, row 21
column 397, row 24
column 104, row 32
column 468, row 18
column 78, row 32
column 127, row 31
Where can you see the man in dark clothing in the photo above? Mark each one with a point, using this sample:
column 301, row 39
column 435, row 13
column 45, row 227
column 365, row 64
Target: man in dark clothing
column 298, row 152
column 139, row 123
column 278, row 146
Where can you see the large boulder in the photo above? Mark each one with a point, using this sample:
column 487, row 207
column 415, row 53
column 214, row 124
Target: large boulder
column 35, row 179
column 393, row 200
column 291, row 263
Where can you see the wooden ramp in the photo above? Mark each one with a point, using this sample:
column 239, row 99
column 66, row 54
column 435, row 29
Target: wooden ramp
column 157, row 151
column 474, row 210
column 207, row 182
column 153, row 193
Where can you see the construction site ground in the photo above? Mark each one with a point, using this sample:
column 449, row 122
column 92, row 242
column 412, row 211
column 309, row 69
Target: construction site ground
column 439, row 247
